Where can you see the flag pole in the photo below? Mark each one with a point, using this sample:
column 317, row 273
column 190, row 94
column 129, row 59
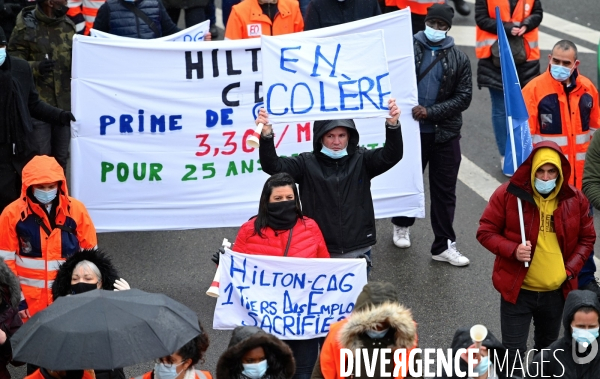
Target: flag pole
column 514, row 159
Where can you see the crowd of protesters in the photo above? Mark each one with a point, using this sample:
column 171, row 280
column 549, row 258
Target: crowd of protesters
column 48, row 242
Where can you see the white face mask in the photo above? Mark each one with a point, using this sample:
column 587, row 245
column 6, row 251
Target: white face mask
column 45, row 197
column 255, row 370
column 2, row 55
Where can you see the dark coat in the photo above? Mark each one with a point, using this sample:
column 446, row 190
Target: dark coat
column 324, row 13
column 245, row 338
column 499, row 230
column 10, row 322
column 454, row 94
column 337, row 193
column 9, row 9
column 489, row 75
column 114, row 18
column 557, row 358
column 62, row 282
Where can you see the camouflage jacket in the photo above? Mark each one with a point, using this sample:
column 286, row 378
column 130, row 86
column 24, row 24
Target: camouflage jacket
column 37, row 36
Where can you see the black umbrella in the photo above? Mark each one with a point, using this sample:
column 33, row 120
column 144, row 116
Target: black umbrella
column 103, row 330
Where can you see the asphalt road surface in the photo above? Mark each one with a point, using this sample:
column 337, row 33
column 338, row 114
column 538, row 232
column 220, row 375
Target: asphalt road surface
column 441, row 297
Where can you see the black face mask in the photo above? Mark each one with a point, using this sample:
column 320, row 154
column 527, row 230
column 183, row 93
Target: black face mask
column 82, row 287
column 282, row 215
column 60, row 12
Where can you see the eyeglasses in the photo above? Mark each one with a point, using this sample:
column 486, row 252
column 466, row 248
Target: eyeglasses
column 170, row 364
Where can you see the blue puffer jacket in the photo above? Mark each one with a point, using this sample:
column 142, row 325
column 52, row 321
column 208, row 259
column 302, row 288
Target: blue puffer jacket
column 113, row 17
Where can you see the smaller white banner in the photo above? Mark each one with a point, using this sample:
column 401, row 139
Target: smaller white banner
column 291, row 298
column 306, row 79
column 194, row 33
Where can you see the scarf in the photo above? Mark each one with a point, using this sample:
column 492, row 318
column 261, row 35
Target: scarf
column 12, row 129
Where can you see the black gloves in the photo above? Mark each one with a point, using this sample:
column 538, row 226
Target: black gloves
column 216, row 256
column 46, row 67
column 66, row 117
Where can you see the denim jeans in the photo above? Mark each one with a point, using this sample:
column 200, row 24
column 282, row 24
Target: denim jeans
column 546, row 310
column 306, row 353
column 499, row 118
column 303, row 6
column 226, row 6
column 193, row 16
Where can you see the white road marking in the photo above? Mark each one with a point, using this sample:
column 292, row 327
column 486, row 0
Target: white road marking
column 465, row 36
column 573, row 29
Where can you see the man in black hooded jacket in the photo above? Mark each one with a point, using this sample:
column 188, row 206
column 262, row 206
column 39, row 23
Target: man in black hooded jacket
column 335, row 179
column 576, row 355
column 19, row 101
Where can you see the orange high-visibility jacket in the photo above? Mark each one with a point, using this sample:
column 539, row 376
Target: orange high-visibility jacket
column 485, row 40
column 570, row 120
column 416, row 6
column 248, row 21
column 329, row 359
column 30, row 245
column 199, row 375
column 38, row 375
column 87, row 8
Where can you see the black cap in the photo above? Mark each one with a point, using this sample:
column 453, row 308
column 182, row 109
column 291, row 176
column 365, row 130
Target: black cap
column 442, row 12
column 3, row 37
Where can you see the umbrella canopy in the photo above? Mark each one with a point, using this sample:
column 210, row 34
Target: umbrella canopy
column 104, row 330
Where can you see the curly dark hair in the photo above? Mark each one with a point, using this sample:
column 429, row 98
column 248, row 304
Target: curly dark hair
column 196, row 348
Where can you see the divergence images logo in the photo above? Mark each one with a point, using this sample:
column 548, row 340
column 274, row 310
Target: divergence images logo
column 582, row 347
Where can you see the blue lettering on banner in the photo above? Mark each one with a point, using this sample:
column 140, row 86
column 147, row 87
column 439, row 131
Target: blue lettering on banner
column 283, row 60
column 158, row 123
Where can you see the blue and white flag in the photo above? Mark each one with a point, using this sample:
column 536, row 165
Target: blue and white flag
column 516, row 111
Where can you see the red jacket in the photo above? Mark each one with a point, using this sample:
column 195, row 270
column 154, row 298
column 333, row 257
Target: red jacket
column 499, row 230
column 307, row 240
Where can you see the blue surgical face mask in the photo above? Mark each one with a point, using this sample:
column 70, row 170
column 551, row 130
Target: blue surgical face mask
column 560, row 73
column 483, row 366
column 377, row 334
column 255, row 370
column 544, row 186
column 434, row 35
column 161, row 371
column 2, row 55
column 335, row 154
column 585, row 335
column 45, row 197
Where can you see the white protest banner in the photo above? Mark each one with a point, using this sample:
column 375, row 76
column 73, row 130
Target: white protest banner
column 306, row 79
column 194, row 33
column 292, row 298
column 160, row 137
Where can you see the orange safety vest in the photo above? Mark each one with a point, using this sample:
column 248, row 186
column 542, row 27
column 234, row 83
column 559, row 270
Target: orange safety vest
column 30, row 247
column 569, row 120
column 248, row 21
column 485, row 40
column 329, row 359
column 199, row 375
column 416, row 6
column 38, row 375
column 87, row 8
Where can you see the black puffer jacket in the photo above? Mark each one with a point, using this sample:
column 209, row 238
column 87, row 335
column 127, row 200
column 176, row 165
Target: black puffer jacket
column 280, row 360
column 324, row 13
column 454, row 95
column 489, row 75
column 557, row 358
column 336, row 193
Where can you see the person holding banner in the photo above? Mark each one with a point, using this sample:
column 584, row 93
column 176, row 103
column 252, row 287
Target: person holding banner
column 324, row 13
column 378, row 321
column 41, row 229
column 280, row 229
column 255, row 354
column 335, row 179
column 560, row 236
column 254, row 18
column 445, row 91
column 521, row 20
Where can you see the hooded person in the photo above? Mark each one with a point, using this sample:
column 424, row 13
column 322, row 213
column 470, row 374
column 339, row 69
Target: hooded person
column 41, row 229
column 335, row 179
column 10, row 295
column 254, row 354
column 560, row 236
column 378, row 321
column 575, row 356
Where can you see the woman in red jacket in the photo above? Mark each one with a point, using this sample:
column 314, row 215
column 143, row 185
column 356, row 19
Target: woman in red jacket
column 280, row 229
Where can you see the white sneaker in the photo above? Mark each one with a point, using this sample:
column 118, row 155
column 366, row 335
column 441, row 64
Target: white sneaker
column 401, row 236
column 452, row 256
